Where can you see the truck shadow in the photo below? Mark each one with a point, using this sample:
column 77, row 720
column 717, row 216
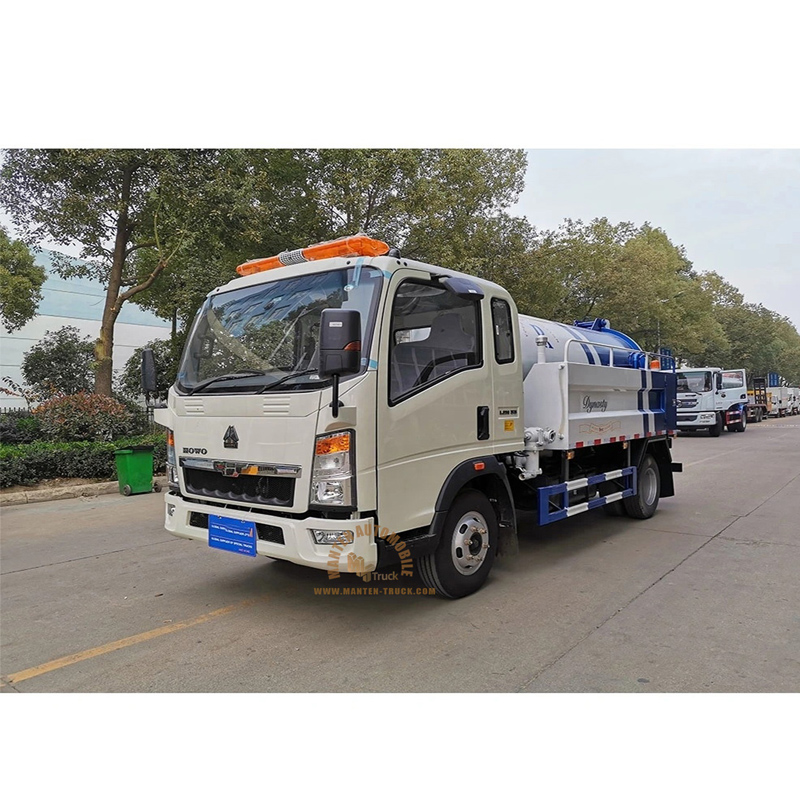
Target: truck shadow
column 289, row 586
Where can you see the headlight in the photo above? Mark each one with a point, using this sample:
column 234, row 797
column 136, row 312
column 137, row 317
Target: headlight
column 332, row 482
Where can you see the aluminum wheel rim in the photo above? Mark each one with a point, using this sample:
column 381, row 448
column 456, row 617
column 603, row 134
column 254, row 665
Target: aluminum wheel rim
column 470, row 543
column 649, row 487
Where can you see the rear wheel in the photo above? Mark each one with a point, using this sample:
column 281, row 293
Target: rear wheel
column 716, row 429
column 464, row 556
column 645, row 502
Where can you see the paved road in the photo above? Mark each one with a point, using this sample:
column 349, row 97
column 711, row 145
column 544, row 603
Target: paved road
column 704, row 597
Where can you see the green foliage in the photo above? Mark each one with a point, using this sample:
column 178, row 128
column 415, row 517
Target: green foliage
column 121, row 205
column 87, row 417
column 27, row 464
column 167, row 353
column 60, row 363
column 19, row 428
column 20, row 283
column 429, row 203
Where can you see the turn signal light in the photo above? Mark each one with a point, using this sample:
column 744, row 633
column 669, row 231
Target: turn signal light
column 346, row 246
column 338, row 443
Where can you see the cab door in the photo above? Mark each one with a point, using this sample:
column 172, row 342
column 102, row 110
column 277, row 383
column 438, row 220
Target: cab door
column 434, row 394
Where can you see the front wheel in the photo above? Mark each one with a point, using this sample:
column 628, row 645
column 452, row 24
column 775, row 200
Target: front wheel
column 464, row 556
column 645, row 502
column 716, row 429
column 739, row 427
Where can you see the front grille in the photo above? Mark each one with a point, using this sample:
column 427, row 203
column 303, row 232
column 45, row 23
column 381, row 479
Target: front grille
column 253, row 489
column 687, row 417
column 267, row 533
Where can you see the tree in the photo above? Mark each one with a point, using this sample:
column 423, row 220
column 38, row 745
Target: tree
column 20, row 283
column 60, row 363
column 432, row 204
column 167, row 354
column 121, row 206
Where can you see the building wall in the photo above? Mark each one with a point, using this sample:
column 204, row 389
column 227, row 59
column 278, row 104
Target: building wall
column 78, row 302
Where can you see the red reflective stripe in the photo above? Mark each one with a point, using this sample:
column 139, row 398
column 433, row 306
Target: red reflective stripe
column 613, row 439
column 636, row 435
column 578, row 444
column 622, row 438
column 598, row 441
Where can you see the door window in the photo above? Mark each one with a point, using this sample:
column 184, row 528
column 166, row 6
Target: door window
column 434, row 334
column 503, row 333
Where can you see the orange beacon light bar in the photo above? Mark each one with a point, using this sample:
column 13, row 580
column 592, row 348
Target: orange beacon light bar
column 346, row 246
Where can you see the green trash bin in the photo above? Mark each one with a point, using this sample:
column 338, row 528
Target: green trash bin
column 135, row 469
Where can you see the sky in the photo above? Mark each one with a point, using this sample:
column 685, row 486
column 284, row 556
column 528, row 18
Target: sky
column 736, row 212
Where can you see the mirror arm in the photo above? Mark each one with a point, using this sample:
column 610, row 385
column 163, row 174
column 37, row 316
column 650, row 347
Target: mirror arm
column 335, row 403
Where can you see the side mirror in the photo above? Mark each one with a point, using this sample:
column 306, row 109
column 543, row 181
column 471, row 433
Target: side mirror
column 148, row 371
column 339, row 347
column 339, row 342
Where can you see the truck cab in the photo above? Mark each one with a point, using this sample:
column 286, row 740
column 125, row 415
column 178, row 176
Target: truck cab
column 712, row 399
column 348, row 409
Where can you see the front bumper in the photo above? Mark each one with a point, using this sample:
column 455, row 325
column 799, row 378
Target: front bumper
column 298, row 543
column 702, row 420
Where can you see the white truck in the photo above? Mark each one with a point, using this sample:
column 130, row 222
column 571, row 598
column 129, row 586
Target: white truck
column 712, row 399
column 784, row 401
column 349, row 409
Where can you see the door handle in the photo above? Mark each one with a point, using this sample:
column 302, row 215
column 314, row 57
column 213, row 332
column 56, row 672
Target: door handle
column 483, row 422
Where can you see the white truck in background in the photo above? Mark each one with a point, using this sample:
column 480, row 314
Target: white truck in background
column 712, row 399
column 337, row 400
column 785, row 400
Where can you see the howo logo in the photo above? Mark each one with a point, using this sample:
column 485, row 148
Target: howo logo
column 195, row 451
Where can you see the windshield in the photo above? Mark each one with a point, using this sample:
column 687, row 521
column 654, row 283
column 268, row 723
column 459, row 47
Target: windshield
column 694, row 381
column 270, row 331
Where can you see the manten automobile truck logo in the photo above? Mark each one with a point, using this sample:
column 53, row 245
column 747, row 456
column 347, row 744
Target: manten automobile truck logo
column 356, row 563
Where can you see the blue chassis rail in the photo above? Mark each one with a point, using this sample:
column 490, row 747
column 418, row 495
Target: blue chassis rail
column 554, row 500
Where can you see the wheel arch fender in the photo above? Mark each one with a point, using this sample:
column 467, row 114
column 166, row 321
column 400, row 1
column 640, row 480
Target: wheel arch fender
column 491, row 479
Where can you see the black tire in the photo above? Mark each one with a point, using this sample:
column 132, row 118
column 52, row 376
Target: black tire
column 126, row 490
column 451, row 569
column 716, row 429
column 645, row 502
column 739, row 427
column 759, row 414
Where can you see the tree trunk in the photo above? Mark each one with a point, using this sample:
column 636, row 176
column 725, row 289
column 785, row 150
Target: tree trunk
column 104, row 346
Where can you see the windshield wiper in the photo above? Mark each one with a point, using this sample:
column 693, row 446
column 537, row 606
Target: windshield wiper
column 286, row 378
column 243, row 374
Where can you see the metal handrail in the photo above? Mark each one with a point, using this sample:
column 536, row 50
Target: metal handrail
column 630, row 351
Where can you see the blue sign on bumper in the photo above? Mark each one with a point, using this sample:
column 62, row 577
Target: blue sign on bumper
column 234, row 535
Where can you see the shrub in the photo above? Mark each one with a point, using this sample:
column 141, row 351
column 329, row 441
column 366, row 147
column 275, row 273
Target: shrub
column 19, row 428
column 86, row 417
column 27, row 464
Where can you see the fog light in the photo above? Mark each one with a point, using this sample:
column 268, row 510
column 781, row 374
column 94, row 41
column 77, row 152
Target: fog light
column 332, row 537
column 170, row 509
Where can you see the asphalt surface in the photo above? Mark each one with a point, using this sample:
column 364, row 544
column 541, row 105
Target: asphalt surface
column 704, row 597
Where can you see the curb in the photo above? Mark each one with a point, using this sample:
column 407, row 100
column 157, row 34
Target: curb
column 67, row 492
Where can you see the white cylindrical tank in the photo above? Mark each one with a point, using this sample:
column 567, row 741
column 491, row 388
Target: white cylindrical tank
column 588, row 349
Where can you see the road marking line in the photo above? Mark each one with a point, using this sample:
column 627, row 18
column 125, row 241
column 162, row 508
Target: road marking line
column 67, row 661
